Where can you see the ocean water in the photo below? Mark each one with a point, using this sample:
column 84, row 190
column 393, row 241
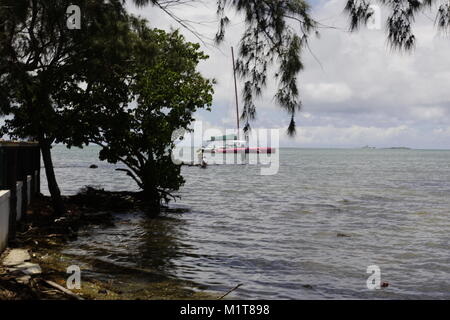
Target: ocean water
column 309, row 231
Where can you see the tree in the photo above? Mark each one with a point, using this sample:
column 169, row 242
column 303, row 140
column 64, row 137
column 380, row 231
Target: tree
column 277, row 32
column 40, row 56
column 165, row 90
column 400, row 21
column 43, row 64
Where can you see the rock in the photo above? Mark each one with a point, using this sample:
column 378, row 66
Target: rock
column 16, row 257
column 18, row 260
column 27, row 268
column 24, row 279
column 93, row 166
column 343, row 235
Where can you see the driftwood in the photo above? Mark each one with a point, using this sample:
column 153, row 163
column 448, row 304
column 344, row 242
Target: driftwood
column 235, row 288
column 64, row 290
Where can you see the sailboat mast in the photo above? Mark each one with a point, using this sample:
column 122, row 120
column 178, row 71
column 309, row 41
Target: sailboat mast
column 235, row 92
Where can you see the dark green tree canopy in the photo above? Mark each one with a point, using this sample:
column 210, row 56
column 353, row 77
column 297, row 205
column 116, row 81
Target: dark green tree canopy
column 159, row 91
column 76, row 86
column 40, row 58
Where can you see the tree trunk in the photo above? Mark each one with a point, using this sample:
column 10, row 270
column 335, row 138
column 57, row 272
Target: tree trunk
column 153, row 199
column 58, row 205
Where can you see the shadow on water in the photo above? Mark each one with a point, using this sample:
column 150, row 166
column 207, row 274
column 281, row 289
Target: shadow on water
column 136, row 255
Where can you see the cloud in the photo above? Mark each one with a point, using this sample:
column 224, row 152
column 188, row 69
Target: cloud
column 355, row 90
column 327, row 92
column 429, row 113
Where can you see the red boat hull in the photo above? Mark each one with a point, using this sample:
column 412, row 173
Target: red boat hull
column 246, row 150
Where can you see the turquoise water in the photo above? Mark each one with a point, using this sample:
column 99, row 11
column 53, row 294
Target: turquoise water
column 278, row 235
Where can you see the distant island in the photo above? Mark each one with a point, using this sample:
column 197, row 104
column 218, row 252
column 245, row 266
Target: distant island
column 391, row 148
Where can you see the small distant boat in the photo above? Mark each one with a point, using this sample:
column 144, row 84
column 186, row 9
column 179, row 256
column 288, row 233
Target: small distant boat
column 398, row 148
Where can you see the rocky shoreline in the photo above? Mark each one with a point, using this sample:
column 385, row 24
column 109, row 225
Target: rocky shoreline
column 34, row 266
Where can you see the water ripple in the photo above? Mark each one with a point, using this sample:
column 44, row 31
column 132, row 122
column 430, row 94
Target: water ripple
column 310, row 231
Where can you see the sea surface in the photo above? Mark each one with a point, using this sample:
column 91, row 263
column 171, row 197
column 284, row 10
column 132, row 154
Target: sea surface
column 309, row 231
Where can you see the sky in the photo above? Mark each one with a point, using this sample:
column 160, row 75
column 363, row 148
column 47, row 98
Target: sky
column 355, row 90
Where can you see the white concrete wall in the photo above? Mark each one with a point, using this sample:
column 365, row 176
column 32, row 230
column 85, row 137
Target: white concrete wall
column 5, row 208
column 28, row 190
column 36, row 173
column 19, row 200
column 4, row 218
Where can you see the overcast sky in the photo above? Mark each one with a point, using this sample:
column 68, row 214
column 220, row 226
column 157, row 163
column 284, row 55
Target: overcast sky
column 360, row 93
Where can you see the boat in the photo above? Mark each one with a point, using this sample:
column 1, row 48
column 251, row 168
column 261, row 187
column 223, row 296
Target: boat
column 231, row 143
